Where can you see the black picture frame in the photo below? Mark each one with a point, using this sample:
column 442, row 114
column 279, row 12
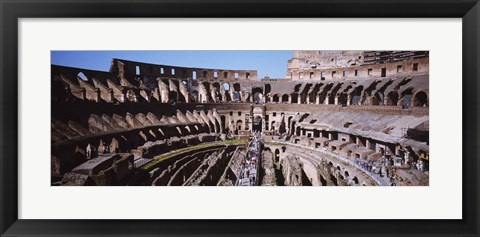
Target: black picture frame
column 11, row 11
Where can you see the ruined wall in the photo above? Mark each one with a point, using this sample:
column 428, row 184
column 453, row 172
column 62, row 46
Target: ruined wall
column 345, row 65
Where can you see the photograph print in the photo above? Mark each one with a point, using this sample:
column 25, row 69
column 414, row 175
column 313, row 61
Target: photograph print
column 240, row 118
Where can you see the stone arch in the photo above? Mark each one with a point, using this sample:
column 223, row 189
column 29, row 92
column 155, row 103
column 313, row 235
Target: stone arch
column 294, row 98
column 357, row 96
column 420, row 99
column 284, row 98
column 275, row 98
column 239, row 124
column 195, row 96
column 257, row 93
column 226, row 87
column 392, row 98
column 343, row 98
column 407, row 97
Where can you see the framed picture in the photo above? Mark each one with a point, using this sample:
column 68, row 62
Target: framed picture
column 209, row 118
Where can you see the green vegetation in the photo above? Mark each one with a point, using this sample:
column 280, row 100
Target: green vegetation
column 168, row 155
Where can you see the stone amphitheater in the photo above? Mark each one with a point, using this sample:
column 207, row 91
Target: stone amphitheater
column 337, row 118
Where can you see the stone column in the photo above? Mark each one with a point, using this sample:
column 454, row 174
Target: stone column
column 318, row 100
column 349, row 98
column 289, row 99
column 326, row 99
column 336, row 100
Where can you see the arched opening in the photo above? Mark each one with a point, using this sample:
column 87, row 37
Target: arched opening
column 257, row 93
column 172, row 95
column 236, row 87
column 275, row 98
column 131, row 96
column 407, row 97
column 294, row 98
column 194, row 96
column 257, row 124
column 268, row 88
column 216, row 91
column 236, row 96
column 342, row 99
column 258, row 98
column 356, row 95
column 392, row 98
column 285, row 98
column 420, row 99
column 239, row 124
column 377, row 99
column 226, row 86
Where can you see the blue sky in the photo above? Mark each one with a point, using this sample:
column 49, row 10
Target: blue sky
column 271, row 63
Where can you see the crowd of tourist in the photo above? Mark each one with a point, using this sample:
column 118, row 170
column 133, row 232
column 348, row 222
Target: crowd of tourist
column 248, row 173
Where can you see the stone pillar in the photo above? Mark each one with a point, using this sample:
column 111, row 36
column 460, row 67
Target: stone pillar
column 308, row 99
column 329, row 136
column 97, row 95
column 367, row 144
column 318, row 100
column 326, row 99
column 336, row 100
column 289, row 99
column 349, row 98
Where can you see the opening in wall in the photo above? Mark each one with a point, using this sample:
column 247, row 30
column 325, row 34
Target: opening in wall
column 215, row 74
column 384, row 72
column 194, row 75
column 357, row 72
column 173, row 71
column 137, row 70
column 235, row 75
column 415, row 67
